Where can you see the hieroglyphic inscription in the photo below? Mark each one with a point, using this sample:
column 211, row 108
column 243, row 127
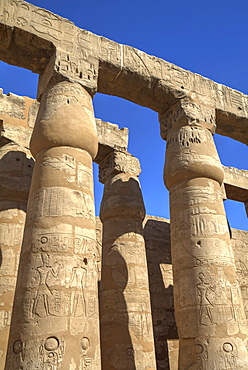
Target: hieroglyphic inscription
column 51, row 353
column 77, row 172
column 59, row 201
column 136, row 60
column 202, row 224
column 39, row 21
column 206, row 253
column 201, row 350
column 50, row 242
column 85, row 360
column 187, row 196
column 111, row 51
column 80, row 68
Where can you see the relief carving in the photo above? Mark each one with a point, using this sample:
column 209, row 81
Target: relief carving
column 86, row 361
column 111, row 51
column 77, row 284
column 136, row 60
column 45, row 22
column 19, row 349
column 205, row 313
column 44, row 293
column 51, row 242
column 59, row 201
column 201, row 350
column 51, row 353
column 84, row 69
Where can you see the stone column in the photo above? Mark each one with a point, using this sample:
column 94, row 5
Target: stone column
column 126, row 324
column 15, row 177
column 208, row 305
column 55, row 321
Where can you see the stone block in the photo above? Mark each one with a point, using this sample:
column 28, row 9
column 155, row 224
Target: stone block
column 236, row 184
column 110, row 138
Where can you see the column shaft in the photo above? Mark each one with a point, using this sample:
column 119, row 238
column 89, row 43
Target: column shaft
column 15, row 177
column 126, row 324
column 55, row 319
column 208, row 305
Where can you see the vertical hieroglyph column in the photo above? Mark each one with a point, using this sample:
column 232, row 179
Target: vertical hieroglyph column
column 208, row 305
column 15, row 177
column 126, row 324
column 55, row 322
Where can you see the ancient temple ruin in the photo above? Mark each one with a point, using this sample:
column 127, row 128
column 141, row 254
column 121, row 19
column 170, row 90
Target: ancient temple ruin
column 125, row 291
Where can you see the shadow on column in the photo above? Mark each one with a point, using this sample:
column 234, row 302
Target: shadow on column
column 124, row 323
column 116, row 344
column 15, row 177
column 157, row 241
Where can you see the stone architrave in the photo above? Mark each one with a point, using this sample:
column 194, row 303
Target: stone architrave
column 126, row 324
column 15, row 177
column 208, row 306
column 62, row 49
column 55, row 321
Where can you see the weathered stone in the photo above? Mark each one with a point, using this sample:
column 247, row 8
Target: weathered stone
column 16, row 134
column 55, row 320
column 32, row 113
column 12, row 105
column 16, row 119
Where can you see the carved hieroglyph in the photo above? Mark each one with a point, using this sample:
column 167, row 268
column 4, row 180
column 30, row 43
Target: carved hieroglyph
column 55, row 320
column 15, row 178
column 208, row 305
column 126, row 324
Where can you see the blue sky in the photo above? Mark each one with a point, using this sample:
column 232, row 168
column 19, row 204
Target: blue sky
column 206, row 37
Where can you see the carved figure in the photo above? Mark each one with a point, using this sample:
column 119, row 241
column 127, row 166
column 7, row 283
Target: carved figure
column 44, row 291
column 77, row 283
column 205, row 303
